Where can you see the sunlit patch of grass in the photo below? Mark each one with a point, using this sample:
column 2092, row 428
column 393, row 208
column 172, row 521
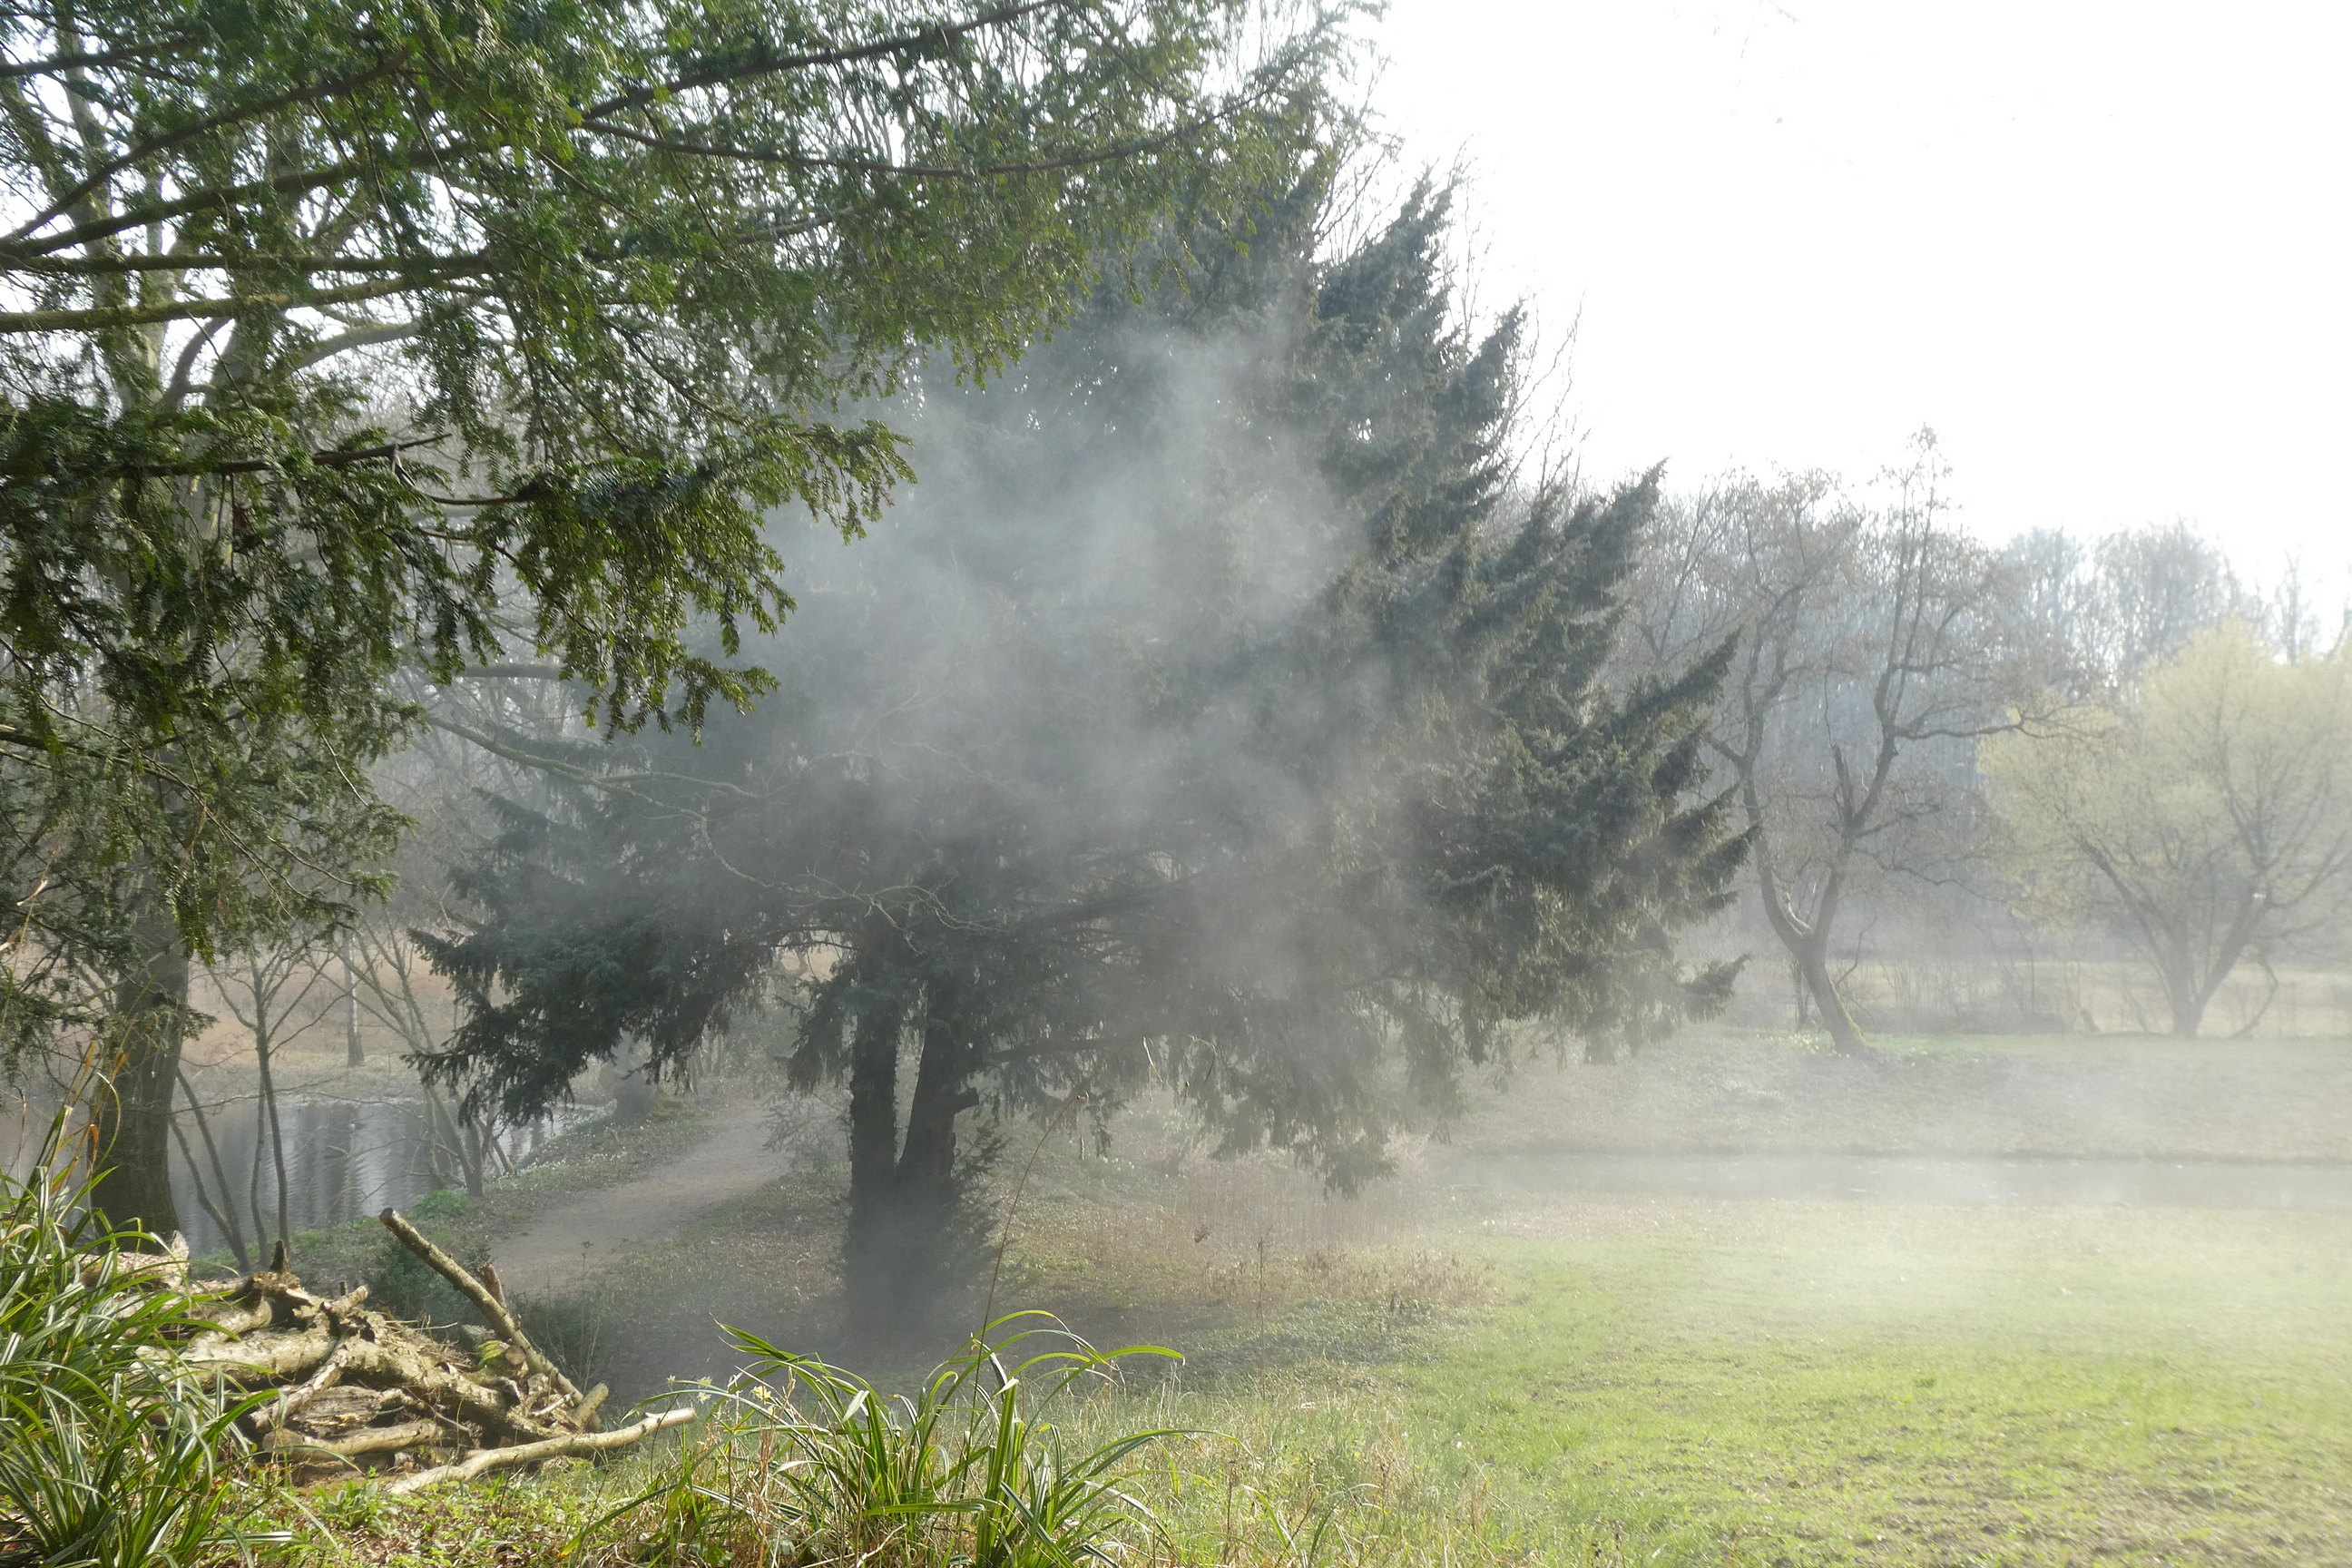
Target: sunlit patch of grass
column 1313, row 1467
column 1847, row 1384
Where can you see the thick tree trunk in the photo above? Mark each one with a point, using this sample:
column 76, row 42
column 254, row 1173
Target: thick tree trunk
column 927, row 1172
column 1807, row 938
column 133, row 1112
column 873, row 1135
column 2191, row 977
column 2188, row 995
column 907, row 1247
column 1808, row 944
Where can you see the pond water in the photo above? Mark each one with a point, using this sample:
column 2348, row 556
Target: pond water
column 344, row 1159
column 1926, row 1179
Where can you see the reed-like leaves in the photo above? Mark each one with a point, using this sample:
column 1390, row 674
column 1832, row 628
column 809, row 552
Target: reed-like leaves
column 114, row 1455
column 816, row 1465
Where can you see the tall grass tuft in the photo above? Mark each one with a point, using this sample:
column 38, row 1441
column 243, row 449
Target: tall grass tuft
column 115, row 1455
column 799, row 1462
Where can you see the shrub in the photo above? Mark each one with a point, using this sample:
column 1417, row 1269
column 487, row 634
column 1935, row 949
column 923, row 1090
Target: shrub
column 404, row 1285
column 116, row 1454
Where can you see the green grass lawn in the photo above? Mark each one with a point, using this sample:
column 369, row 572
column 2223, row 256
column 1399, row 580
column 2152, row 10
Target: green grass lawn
column 1827, row 1383
column 1517, row 1377
column 1742, row 1384
column 1452, row 1374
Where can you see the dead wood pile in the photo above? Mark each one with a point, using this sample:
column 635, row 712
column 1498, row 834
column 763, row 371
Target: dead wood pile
column 360, row 1390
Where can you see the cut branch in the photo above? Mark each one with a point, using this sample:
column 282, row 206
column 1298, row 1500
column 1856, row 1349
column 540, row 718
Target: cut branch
column 483, row 1460
column 484, row 1300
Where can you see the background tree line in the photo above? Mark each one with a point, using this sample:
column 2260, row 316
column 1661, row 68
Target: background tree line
column 2117, row 750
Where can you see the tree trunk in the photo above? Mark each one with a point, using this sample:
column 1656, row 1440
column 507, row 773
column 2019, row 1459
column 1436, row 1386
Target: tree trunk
column 1807, row 943
column 873, row 1131
column 133, row 1112
column 263, row 1028
column 2187, row 998
column 928, row 1193
column 634, row 1094
column 1807, row 940
column 907, row 1247
column 354, row 1054
column 1845, row 1035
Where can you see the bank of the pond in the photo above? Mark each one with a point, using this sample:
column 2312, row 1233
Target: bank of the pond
column 1722, row 1091
column 1973, row 1180
column 598, row 1152
column 344, row 1159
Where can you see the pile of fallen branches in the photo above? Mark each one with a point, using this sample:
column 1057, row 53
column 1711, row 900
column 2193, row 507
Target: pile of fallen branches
column 359, row 1390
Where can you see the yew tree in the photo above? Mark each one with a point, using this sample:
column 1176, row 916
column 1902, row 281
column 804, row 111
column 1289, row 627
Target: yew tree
column 337, row 339
column 1217, row 715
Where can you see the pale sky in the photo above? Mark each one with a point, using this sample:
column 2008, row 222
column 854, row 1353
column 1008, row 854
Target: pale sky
column 2104, row 249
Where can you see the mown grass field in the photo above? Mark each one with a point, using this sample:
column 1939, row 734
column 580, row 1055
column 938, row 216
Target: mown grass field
column 1800, row 1382
column 1831, row 1384
column 1448, row 1374
column 1739, row 1384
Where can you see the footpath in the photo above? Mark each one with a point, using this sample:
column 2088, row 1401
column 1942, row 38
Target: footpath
column 562, row 1247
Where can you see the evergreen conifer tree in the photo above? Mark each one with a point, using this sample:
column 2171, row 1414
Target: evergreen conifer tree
column 343, row 340
column 1214, row 714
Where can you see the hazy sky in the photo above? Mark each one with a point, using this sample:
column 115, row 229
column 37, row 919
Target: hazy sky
column 2104, row 249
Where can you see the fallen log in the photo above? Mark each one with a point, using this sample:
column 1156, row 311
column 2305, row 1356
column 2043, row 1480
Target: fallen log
column 379, row 1440
column 357, row 1389
column 165, row 1270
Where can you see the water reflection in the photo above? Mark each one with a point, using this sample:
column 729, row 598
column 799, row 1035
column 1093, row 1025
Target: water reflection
column 344, row 1159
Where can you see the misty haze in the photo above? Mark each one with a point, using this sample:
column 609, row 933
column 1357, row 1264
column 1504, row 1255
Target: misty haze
column 888, row 784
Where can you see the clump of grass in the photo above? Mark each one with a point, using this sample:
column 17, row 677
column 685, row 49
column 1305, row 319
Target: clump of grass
column 1298, row 1471
column 115, row 1452
column 802, row 1462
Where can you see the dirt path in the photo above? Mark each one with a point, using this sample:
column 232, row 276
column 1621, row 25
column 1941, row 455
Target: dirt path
column 561, row 1247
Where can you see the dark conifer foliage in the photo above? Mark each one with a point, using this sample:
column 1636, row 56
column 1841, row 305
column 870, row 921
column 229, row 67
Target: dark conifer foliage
column 345, row 346
column 1216, row 714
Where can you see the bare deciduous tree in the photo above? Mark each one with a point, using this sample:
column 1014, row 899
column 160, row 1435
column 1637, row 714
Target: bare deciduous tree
column 1873, row 646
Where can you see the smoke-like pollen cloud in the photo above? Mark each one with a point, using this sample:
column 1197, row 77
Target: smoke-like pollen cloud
column 1215, row 713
